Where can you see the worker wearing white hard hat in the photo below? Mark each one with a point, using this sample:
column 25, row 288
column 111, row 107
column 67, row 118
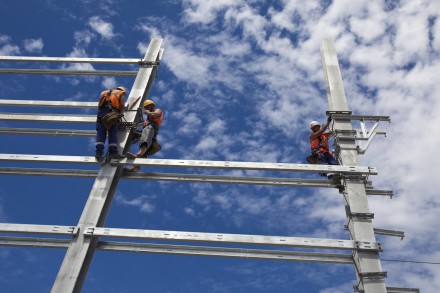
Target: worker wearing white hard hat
column 319, row 144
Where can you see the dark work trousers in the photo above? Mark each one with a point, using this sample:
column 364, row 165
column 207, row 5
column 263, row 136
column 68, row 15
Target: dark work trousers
column 101, row 134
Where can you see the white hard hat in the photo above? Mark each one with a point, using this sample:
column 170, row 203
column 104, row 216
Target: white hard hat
column 314, row 123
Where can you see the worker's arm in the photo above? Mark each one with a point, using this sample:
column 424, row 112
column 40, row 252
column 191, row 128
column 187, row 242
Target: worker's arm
column 156, row 113
column 320, row 132
column 122, row 102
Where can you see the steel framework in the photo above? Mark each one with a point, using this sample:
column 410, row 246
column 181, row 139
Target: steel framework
column 83, row 239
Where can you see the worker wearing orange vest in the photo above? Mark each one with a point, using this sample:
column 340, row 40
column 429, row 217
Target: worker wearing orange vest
column 149, row 132
column 110, row 100
column 319, row 144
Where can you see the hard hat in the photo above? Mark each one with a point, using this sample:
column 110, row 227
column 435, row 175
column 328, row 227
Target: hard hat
column 121, row 88
column 148, row 102
column 314, row 123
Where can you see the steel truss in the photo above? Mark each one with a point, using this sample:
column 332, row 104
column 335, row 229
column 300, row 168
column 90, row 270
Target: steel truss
column 87, row 236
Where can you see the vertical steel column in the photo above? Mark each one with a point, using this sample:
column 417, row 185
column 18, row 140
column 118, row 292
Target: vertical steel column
column 79, row 255
column 368, row 267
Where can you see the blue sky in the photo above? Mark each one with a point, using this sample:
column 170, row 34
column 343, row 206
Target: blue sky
column 239, row 81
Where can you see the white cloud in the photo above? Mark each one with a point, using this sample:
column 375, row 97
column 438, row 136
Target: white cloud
column 109, row 82
column 105, row 29
column 33, row 45
column 142, row 202
column 9, row 50
column 83, row 38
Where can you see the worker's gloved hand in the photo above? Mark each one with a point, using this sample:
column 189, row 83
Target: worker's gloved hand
column 329, row 119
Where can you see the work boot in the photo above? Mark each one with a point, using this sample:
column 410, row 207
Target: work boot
column 130, row 156
column 116, row 156
column 98, row 156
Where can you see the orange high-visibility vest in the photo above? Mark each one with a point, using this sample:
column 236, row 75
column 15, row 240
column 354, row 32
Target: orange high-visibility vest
column 157, row 120
column 114, row 97
column 320, row 144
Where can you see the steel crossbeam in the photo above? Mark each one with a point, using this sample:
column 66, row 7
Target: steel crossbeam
column 345, row 170
column 262, row 254
column 227, row 252
column 69, row 59
column 68, row 72
column 34, row 242
column 49, row 132
column 181, row 177
column 54, row 118
column 233, row 238
column 38, row 229
column 48, row 104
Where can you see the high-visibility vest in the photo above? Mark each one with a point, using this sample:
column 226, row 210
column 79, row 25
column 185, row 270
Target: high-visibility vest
column 320, row 144
column 112, row 96
column 156, row 120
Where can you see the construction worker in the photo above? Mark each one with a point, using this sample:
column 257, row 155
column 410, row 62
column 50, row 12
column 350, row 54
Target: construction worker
column 149, row 132
column 109, row 101
column 319, row 144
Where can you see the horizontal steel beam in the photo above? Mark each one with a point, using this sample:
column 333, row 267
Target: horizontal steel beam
column 38, row 229
column 186, row 250
column 346, row 170
column 320, row 243
column 402, row 290
column 48, row 159
column 49, row 132
column 178, row 177
column 53, row 118
column 68, row 72
column 227, row 252
column 48, row 104
column 69, row 60
column 34, row 242
column 49, row 172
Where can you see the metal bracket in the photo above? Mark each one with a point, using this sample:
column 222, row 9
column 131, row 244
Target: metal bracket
column 89, row 231
column 395, row 233
column 366, row 245
column 373, row 275
column 345, row 115
column 146, row 63
column 361, row 216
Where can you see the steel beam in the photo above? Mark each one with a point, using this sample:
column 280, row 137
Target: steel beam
column 48, row 132
column 54, row 118
column 38, row 229
column 354, row 192
column 48, row 159
column 79, row 255
column 261, row 254
column 34, row 242
column 67, row 72
column 69, row 59
column 48, row 104
column 320, row 243
column 345, row 170
column 227, row 252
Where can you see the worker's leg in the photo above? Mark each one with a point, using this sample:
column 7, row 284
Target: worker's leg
column 101, row 135
column 113, row 140
column 146, row 140
column 326, row 159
